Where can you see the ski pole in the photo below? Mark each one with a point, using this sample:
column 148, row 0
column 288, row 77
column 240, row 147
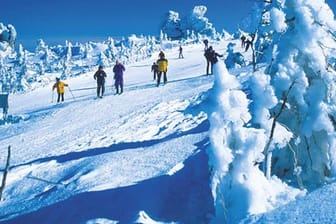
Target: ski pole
column 71, row 93
column 52, row 96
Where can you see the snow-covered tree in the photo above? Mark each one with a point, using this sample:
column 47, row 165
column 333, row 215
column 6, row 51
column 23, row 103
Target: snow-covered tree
column 198, row 23
column 103, row 60
column 7, row 37
column 195, row 23
column 172, row 25
column 111, row 50
column 2, row 74
column 300, row 76
column 239, row 186
column 22, row 68
column 285, row 133
column 233, row 58
column 12, row 35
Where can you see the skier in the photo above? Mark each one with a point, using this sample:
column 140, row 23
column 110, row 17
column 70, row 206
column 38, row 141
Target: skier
column 211, row 58
column 100, row 76
column 180, row 52
column 154, row 70
column 249, row 41
column 59, row 85
column 162, row 67
column 118, row 70
column 243, row 39
column 206, row 42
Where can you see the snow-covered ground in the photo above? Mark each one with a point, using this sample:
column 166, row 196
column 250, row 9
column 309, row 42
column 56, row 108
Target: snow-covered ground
column 316, row 208
column 130, row 158
column 111, row 157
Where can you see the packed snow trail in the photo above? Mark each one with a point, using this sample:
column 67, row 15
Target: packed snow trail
column 87, row 145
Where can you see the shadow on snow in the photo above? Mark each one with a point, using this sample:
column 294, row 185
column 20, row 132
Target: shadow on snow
column 202, row 127
column 184, row 197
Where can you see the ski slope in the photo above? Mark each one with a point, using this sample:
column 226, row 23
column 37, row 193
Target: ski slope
column 61, row 151
column 139, row 157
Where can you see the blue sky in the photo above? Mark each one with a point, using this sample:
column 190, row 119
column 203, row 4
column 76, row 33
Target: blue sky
column 81, row 20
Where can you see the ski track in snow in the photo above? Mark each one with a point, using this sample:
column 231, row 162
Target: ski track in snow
column 83, row 144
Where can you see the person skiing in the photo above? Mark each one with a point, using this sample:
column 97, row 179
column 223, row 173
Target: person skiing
column 206, row 42
column 211, row 58
column 249, row 41
column 162, row 68
column 100, row 76
column 181, row 52
column 59, row 85
column 118, row 70
column 243, row 39
column 154, row 70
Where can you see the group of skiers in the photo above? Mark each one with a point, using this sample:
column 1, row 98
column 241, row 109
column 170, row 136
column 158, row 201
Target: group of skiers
column 118, row 77
column 158, row 68
column 246, row 41
column 100, row 76
column 211, row 57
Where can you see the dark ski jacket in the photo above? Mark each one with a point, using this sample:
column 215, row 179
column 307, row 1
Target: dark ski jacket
column 211, row 55
column 155, row 67
column 100, row 76
column 118, row 70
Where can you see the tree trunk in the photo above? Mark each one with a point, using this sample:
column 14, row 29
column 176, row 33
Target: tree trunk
column 5, row 173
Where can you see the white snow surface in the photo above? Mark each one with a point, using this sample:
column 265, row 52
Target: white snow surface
column 88, row 145
column 138, row 157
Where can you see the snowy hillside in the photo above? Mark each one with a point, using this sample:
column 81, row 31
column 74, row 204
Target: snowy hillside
column 136, row 156
column 124, row 153
column 251, row 143
column 22, row 70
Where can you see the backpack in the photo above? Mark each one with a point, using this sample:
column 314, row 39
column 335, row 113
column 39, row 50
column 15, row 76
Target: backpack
column 162, row 64
column 210, row 55
column 207, row 54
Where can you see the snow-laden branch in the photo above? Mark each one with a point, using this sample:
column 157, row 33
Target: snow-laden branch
column 267, row 152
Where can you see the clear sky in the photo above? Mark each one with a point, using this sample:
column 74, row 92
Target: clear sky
column 81, row 20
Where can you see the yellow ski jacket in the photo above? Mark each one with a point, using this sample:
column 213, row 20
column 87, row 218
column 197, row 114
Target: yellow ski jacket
column 162, row 65
column 59, row 86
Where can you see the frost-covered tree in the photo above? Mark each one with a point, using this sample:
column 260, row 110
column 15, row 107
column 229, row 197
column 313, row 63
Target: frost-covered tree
column 195, row 22
column 88, row 54
column 233, row 58
column 277, row 129
column 271, row 26
column 67, row 63
column 239, row 186
column 3, row 72
column 300, row 76
column 7, row 37
column 111, row 50
column 45, row 55
column 198, row 23
column 103, row 60
column 151, row 43
column 171, row 25
column 11, row 35
column 40, row 46
column 163, row 36
column 22, row 68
